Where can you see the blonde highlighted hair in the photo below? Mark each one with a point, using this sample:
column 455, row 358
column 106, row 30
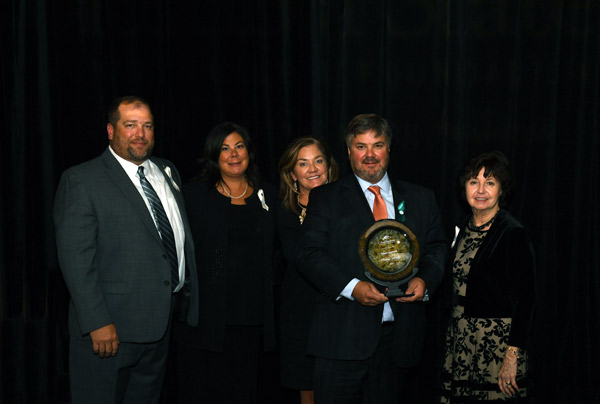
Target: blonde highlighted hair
column 287, row 186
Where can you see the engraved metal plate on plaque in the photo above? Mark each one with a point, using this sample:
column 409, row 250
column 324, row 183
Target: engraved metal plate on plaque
column 389, row 251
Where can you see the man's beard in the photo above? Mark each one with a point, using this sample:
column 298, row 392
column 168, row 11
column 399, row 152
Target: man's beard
column 368, row 175
column 371, row 177
column 140, row 158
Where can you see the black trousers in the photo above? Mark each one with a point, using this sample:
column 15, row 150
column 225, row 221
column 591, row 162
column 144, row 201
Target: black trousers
column 242, row 374
column 375, row 380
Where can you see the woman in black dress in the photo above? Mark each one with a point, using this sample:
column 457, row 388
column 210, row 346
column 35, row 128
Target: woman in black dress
column 305, row 164
column 232, row 217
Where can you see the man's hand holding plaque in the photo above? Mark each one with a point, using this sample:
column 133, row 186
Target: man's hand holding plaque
column 367, row 294
column 415, row 291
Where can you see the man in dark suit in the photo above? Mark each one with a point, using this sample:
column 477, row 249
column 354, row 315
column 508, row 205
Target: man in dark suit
column 363, row 341
column 125, row 250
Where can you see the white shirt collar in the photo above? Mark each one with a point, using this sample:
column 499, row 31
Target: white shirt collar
column 131, row 168
column 384, row 184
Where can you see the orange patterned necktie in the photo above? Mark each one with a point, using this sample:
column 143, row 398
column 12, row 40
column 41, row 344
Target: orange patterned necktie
column 379, row 209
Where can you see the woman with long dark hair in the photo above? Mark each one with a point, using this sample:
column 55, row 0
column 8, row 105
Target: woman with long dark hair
column 232, row 217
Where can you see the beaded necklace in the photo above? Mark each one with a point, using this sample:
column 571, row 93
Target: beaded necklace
column 483, row 226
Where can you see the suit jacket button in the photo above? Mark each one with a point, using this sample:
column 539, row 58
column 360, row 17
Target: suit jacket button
column 165, row 257
column 166, row 283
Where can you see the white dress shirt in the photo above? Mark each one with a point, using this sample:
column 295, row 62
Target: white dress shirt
column 386, row 192
column 157, row 179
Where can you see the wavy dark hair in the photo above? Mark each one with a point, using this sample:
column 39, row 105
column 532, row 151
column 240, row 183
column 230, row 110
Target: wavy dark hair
column 496, row 165
column 210, row 171
column 287, row 162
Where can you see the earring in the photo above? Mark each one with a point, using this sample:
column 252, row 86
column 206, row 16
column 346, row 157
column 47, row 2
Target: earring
column 327, row 181
column 296, row 186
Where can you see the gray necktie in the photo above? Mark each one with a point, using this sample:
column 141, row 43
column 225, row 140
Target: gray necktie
column 163, row 225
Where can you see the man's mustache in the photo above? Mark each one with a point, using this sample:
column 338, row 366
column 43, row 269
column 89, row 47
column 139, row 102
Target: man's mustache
column 371, row 160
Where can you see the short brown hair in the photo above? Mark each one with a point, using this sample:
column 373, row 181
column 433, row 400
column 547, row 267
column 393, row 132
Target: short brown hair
column 113, row 109
column 496, row 165
column 368, row 122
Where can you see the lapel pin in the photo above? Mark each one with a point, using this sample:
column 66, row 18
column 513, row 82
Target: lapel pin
column 401, row 216
column 261, row 196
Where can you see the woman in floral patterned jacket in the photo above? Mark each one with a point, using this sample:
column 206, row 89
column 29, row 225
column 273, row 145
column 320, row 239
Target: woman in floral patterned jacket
column 493, row 272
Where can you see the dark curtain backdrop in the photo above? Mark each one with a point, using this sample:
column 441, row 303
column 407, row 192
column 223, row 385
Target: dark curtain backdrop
column 452, row 77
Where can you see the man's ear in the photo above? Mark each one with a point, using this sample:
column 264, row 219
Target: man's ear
column 111, row 130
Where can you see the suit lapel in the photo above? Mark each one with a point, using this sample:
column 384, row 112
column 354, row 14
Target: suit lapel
column 176, row 191
column 124, row 184
column 354, row 197
column 398, row 194
column 175, row 188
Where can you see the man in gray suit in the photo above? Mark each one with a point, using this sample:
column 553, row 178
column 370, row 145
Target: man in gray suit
column 125, row 250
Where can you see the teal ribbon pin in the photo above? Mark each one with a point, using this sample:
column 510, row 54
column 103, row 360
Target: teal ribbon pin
column 401, row 215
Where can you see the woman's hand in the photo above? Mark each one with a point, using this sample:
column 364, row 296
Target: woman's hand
column 507, row 375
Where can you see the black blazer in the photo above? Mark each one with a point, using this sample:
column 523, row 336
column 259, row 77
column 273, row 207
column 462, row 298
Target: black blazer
column 327, row 254
column 110, row 253
column 209, row 221
column 501, row 280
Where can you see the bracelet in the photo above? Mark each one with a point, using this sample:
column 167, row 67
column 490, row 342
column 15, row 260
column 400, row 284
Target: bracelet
column 514, row 350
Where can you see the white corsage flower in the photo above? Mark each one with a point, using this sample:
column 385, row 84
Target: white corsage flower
column 168, row 171
column 261, row 196
column 456, row 231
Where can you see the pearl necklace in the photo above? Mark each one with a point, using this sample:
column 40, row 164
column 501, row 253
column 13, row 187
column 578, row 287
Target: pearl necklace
column 231, row 196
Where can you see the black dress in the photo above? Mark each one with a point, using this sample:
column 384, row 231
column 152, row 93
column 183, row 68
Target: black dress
column 221, row 360
column 297, row 303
